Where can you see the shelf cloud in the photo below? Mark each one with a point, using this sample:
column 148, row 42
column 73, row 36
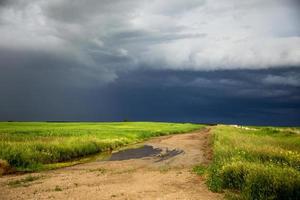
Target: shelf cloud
column 194, row 34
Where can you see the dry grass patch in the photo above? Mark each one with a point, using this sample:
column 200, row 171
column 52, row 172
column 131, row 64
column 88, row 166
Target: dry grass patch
column 4, row 167
column 24, row 182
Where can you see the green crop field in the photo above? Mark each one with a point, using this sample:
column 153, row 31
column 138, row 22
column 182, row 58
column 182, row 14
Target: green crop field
column 255, row 162
column 248, row 162
column 29, row 146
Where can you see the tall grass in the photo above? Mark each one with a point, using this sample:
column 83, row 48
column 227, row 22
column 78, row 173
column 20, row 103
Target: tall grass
column 28, row 146
column 260, row 162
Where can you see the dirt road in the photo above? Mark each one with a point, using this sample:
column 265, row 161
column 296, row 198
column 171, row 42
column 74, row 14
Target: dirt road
column 164, row 175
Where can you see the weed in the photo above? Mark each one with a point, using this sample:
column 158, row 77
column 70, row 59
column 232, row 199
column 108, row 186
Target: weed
column 125, row 171
column 101, row 170
column 200, row 169
column 57, row 189
column 23, row 182
column 164, row 169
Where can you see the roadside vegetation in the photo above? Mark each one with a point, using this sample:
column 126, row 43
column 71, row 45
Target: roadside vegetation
column 30, row 146
column 24, row 182
column 255, row 162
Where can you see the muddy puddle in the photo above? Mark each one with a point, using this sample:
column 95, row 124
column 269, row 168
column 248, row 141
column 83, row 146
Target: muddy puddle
column 136, row 153
column 145, row 151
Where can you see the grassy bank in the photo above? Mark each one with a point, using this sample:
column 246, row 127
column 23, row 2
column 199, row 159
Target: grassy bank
column 256, row 162
column 29, row 146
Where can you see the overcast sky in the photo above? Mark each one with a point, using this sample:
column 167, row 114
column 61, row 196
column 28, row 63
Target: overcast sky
column 209, row 61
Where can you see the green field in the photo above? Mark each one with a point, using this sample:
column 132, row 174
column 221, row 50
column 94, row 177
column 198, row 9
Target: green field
column 255, row 162
column 30, row 146
column 248, row 162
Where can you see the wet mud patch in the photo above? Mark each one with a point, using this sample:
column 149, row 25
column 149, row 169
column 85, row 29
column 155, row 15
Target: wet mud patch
column 140, row 152
column 145, row 151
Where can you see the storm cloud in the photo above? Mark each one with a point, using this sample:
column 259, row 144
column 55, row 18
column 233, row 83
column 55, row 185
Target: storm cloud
column 230, row 61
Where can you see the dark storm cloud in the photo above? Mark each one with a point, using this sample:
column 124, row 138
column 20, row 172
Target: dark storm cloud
column 3, row 2
column 168, row 95
column 194, row 60
column 235, row 96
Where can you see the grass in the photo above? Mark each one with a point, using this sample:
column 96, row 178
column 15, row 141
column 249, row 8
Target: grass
column 23, row 182
column 32, row 146
column 101, row 170
column 57, row 189
column 256, row 162
column 200, row 169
